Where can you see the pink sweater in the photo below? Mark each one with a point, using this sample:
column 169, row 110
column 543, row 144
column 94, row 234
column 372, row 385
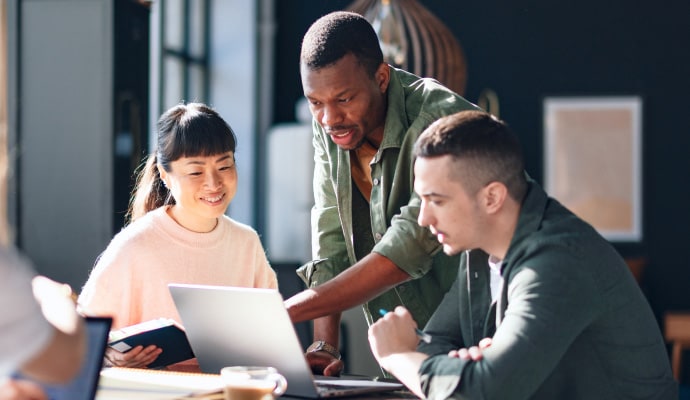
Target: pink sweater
column 130, row 280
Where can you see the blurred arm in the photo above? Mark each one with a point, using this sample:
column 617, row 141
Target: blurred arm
column 61, row 359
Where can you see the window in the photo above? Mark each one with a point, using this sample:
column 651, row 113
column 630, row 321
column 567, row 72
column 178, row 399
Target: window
column 184, row 41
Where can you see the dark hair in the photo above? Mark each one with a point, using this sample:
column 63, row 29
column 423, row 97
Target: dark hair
column 337, row 34
column 490, row 148
column 185, row 130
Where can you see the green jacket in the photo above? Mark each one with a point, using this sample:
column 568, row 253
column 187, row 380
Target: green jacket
column 571, row 321
column 413, row 104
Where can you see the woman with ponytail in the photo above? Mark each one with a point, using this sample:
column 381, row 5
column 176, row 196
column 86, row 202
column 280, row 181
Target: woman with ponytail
column 177, row 231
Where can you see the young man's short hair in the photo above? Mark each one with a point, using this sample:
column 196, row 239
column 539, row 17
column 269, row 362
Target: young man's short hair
column 487, row 147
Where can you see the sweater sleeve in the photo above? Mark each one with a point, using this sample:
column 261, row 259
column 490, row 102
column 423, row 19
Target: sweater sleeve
column 109, row 289
column 265, row 275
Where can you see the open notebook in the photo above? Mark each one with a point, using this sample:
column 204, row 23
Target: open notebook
column 139, row 383
column 245, row 326
column 85, row 384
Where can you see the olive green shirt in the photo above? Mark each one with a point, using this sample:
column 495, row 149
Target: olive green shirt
column 413, row 104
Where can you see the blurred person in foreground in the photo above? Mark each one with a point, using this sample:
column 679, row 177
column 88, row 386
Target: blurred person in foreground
column 41, row 334
column 565, row 318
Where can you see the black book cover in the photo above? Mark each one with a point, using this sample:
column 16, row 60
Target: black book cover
column 163, row 333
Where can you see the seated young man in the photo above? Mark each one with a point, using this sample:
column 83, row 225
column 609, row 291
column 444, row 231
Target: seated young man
column 543, row 307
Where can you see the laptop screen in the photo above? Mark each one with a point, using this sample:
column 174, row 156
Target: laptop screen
column 85, row 384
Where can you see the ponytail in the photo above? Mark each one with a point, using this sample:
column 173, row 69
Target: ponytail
column 149, row 193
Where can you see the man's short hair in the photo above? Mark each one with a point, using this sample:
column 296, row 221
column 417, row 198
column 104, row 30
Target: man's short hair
column 337, row 34
column 487, row 147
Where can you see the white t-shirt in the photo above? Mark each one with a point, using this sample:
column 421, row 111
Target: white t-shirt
column 23, row 329
column 496, row 279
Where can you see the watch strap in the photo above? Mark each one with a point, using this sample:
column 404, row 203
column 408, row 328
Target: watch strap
column 321, row 345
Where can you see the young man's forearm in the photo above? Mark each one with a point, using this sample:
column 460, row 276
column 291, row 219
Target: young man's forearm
column 405, row 367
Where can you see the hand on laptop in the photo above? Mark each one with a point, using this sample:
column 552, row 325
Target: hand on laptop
column 138, row 357
column 323, row 363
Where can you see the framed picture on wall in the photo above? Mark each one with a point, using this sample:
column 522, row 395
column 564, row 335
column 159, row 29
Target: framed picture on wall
column 593, row 161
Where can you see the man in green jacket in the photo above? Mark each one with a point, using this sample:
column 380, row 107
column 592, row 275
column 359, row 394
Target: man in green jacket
column 367, row 246
column 565, row 318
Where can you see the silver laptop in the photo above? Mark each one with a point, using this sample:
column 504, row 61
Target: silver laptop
column 246, row 326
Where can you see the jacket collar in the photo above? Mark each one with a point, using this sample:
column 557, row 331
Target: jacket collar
column 396, row 114
column 530, row 219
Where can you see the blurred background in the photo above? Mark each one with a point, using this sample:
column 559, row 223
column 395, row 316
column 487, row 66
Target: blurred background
column 85, row 80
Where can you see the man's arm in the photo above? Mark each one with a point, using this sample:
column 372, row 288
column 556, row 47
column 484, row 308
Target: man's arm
column 545, row 312
column 393, row 342
column 324, row 362
column 368, row 278
column 371, row 276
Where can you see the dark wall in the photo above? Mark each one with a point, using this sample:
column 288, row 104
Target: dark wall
column 130, row 99
column 525, row 51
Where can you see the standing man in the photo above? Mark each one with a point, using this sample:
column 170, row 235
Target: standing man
column 571, row 321
column 366, row 242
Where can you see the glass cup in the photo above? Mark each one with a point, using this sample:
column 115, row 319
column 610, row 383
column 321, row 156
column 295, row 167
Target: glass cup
column 252, row 383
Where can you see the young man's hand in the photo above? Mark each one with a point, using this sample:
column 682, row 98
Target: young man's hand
column 393, row 341
column 393, row 333
column 474, row 353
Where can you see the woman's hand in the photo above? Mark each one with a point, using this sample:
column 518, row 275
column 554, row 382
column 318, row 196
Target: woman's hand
column 138, row 357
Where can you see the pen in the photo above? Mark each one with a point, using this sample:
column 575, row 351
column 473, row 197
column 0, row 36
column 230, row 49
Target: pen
column 425, row 337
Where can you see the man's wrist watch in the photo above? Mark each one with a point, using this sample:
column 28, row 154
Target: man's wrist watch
column 320, row 345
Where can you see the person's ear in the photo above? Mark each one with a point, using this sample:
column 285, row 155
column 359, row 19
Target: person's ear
column 383, row 76
column 163, row 174
column 494, row 195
